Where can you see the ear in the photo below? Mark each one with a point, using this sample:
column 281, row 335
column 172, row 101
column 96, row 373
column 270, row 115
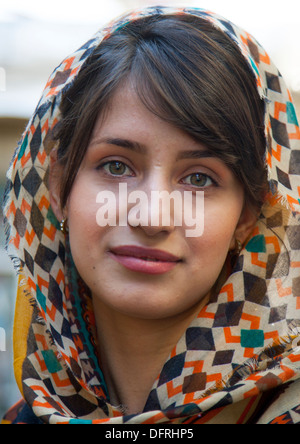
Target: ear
column 245, row 225
column 55, row 175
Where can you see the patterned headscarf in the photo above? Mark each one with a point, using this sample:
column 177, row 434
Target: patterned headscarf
column 241, row 352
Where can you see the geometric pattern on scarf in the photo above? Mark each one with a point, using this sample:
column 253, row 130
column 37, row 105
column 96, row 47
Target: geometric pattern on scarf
column 241, row 345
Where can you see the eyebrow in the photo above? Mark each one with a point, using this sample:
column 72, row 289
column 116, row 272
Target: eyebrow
column 196, row 154
column 123, row 143
column 140, row 148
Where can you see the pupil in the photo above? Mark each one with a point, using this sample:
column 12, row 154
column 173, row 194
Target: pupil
column 117, row 168
column 198, row 179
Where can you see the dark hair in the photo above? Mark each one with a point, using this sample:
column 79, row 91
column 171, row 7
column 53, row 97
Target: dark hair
column 187, row 72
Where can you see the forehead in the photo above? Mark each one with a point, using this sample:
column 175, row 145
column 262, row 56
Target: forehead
column 127, row 118
column 129, row 127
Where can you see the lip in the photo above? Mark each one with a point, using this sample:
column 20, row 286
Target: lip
column 144, row 260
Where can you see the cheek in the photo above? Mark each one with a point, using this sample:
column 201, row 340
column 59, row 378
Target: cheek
column 212, row 248
column 83, row 229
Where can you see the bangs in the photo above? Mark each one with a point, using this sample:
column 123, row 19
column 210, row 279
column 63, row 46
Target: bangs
column 186, row 78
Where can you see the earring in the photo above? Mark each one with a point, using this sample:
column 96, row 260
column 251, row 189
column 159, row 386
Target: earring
column 238, row 247
column 63, row 226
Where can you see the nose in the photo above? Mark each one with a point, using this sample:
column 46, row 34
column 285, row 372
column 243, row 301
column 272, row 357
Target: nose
column 156, row 208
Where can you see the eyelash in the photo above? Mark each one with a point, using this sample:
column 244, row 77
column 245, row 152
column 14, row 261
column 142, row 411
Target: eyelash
column 103, row 165
column 203, row 175
column 109, row 163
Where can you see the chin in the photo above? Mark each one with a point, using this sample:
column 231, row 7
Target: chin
column 141, row 306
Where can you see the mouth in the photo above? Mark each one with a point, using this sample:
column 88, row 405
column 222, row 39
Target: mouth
column 144, row 260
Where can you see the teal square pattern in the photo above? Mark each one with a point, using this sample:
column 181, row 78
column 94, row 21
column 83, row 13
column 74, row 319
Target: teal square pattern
column 252, row 338
column 51, row 361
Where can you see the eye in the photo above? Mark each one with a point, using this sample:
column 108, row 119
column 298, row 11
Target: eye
column 199, row 180
column 116, row 168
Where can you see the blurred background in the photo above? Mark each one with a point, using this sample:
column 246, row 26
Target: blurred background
column 36, row 35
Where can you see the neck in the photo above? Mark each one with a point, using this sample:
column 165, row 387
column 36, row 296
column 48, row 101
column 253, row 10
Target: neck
column 133, row 352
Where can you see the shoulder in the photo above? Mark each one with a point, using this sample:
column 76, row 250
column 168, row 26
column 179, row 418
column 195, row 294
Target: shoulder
column 20, row 413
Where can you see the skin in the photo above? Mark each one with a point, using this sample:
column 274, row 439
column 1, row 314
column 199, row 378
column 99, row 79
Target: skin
column 140, row 317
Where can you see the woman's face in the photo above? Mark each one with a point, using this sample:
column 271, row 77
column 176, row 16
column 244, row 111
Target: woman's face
column 146, row 271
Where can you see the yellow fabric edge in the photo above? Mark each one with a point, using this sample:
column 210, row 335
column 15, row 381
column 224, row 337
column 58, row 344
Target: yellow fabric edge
column 22, row 321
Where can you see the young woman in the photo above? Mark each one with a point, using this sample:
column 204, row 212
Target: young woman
column 123, row 315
